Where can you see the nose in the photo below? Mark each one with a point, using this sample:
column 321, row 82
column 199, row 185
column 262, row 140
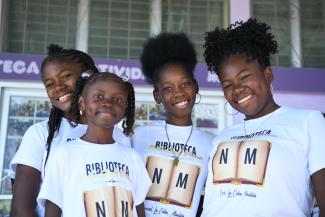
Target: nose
column 238, row 88
column 106, row 102
column 59, row 86
column 178, row 92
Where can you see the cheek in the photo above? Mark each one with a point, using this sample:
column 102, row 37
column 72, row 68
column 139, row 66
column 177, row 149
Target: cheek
column 72, row 83
column 50, row 94
column 227, row 95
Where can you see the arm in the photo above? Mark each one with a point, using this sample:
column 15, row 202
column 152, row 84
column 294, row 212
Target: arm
column 52, row 210
column 318, row 180
column 25, row 191
column 140, row 210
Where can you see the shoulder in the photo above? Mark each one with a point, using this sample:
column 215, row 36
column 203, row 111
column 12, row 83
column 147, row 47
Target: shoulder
column 128, row 151
column 204, row 135
column 39, row 127
column 37, row 132
column 299, row 114
column 152, row 126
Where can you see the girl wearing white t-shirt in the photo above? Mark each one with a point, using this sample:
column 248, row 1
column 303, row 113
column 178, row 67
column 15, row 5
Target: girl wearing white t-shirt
column 59, row 71
column 94, row 175
column 271, row 164
column 175, row 152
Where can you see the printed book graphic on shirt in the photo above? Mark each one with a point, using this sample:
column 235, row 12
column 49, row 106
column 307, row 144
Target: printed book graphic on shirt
column 171, row 183
column 110, row 201
column 241, row 162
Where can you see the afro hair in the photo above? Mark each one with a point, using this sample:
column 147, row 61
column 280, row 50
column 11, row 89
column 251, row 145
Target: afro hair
column 251, row 39
column 167, row 48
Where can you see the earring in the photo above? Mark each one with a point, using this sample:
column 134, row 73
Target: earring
column 271, row 88
column 80, row 112
column 228, row 113
column 198, row 96
column 159, row 108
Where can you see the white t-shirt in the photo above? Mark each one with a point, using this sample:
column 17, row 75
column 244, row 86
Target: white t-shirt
column 84, row 178
column 267, row 173
column 176, row 190
column 32, row 150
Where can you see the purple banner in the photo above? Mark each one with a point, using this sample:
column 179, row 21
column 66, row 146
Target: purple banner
column 18, row 67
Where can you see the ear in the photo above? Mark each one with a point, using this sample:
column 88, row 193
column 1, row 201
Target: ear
column 268, row 74
column 81, row 103
column 156, row 96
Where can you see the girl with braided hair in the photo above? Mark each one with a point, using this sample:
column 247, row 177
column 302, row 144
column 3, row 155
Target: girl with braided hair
column 59, row 72
column 95, row 175
column 271, row 164
column 175, row 152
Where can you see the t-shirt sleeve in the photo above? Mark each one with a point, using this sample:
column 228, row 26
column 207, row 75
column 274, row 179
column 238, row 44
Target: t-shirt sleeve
column 143, row 181
column 136, row 143
column 32, row 147
column 52, row 187
column 316, row 130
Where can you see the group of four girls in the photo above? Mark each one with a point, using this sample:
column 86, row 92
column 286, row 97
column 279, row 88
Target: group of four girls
column 79, row 164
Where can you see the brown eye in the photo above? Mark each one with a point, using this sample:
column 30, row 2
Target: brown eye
column 186, row 84
column 226, row 85
column 98, row 97
column 49, row 85
column 167, row 89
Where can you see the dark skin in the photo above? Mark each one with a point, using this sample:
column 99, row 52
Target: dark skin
column 176, row 90
column 104, row 103
column 246, row 87
column 25, row 191
column 318, row 180
column 59, row 79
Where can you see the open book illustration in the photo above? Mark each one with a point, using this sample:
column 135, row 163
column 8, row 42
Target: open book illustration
column 110, row 201
column 241, row 162
column 172, row 183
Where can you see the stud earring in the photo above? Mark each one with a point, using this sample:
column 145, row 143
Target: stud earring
column 80, row 112
column 271, row 88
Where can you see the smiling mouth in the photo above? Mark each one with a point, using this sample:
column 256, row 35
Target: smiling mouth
column 244, row 99
column 182, row 103
column 64, row 97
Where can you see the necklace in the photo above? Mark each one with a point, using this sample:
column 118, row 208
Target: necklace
column 261, row 124
column 176, row 157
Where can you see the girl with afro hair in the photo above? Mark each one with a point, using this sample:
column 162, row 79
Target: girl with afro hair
column 271, row 164
column 175, row 152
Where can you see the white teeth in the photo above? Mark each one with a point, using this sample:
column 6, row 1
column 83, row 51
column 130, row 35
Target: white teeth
column 244, row 99
column 181, row 103
column 62, row 98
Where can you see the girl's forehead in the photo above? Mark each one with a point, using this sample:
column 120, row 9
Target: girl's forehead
column 109, row 84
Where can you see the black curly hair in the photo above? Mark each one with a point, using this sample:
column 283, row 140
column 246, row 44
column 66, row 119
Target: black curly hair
column 167, row 49
column 250, row 39
column 81, row 87
column 59, row 54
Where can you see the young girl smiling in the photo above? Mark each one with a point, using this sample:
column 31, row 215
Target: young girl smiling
column 94, row 174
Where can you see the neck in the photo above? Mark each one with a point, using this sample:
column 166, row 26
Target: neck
column 179, row 121
column 99, row 135
column 267, row 109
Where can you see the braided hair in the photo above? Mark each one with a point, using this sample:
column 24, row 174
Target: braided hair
column 250, row 39
column 57, row 53
column 167, row 49
column 87, row 80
